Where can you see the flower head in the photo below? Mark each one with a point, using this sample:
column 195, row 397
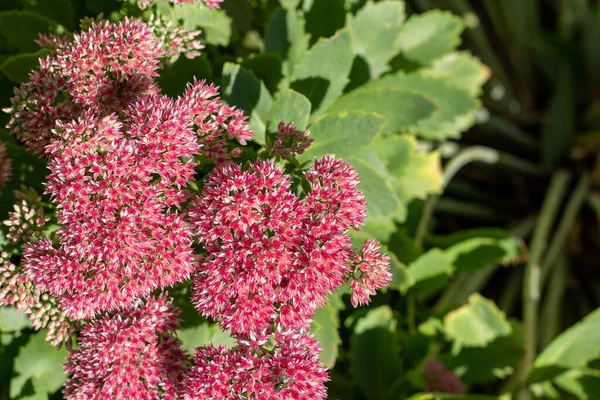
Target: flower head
column 115, row 185
column 175, row 40
column 17, row 290
column 270, row 261
column 289, row 141
column 209, row 3
column 132, row 355
column 334, row 192
column 290, row 371
column 27, row 220
column 104, row 68
column 214, row 122
column 373, row 269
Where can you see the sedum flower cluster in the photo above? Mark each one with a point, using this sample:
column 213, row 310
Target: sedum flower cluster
column 122, row 159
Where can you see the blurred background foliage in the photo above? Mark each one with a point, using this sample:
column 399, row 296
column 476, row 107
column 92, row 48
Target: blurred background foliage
column 475, row 128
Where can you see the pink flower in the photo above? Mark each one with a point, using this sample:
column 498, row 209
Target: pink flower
column 43, row 310
column 105, row 68
column 372, row 273
column 334, row 192
column 290, row 371
column 175, row 40
column 114, row 185
column 215, row 123
column 27, row 220
column 290, row 141
column 132, row 355
column 5, row 167
column 209, row 3
column 270, row 262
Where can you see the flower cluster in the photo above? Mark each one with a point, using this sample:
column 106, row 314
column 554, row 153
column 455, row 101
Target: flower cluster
column 17, row 290
column 209, row 3
column 272, row 259
column 133, row 355
column 5, row 168
column 175, row 40
column 27, row 220
column 290, row 371
column 215, row 123
column 289, row 141
column 372, row 273
column 121, row 156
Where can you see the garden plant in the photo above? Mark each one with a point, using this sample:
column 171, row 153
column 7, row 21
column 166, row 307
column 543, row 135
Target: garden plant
column 299, row 199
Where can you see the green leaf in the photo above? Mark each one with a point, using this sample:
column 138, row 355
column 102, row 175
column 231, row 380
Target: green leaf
column 242, row 89
column 375, row 30
column 324, row 18
column 343, row 134
column 60, row 11
column 497, row 360
column 11, row 320
column 267, row 68
column 582, row 383
column 17, row 67
column 425, row 37
column 433, row 110
column 290, row 106
column 323, row 72
column 460, row 69
column 433, row 264
column 285, row 36
column 402, row 107
column 392, row 172
column 174, row 79
column 479, row 252
column 476, row 324
column 574, row 348
column 374, row 353
column 41, row 363
column 19, row 29
column 324, row 327
column 215, row 24
column 203, row 335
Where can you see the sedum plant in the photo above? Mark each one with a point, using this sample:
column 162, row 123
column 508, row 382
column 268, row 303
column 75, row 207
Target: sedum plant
column 122, row 159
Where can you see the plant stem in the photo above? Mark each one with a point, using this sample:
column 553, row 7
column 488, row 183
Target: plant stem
column 531, row 282
column 551, row 311
column 564, row 227
column 411, row 314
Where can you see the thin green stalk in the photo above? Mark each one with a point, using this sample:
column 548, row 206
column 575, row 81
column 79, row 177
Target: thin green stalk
column 551, row 311
column 566, row 224
column 531, row 282
column 411, row 314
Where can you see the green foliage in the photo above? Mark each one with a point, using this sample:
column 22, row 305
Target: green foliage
column 476, row 324
column 571, row 350
column 38, row 366
column 242, row 89
column 216, row 25
column 374, row 354
column 323, row 72
column 375, row 30
column 429, row 36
